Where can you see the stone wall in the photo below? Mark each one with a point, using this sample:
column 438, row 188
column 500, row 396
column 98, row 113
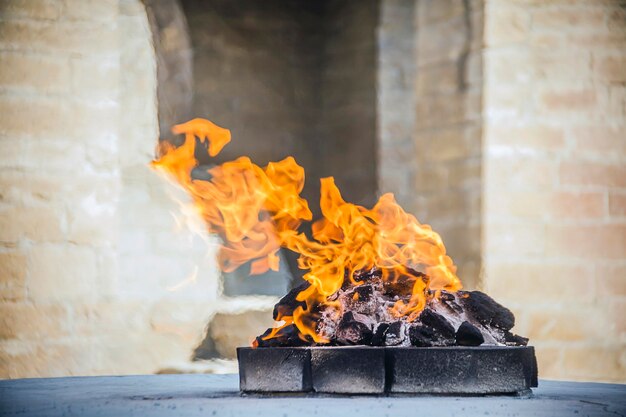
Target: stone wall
column 88, row 248
column 346, row 135
column 280, row 75
column 429, row 95
column 555, row 179
column 448, row 93
column 396, row 102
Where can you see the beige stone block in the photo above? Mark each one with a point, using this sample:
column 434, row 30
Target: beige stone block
column 610, row 280
column 31, row 188
column 26, row 321
column 108, row 274
column 95, row 78
column 508, row 65
column 90, row 10
column 566, row 101
column 508, row 102
column 93, row 221
column 32, row 117
column 571, row 66
column 146, row 352
column 33, row 156
column 41, row 224
column 29, row 9
column 514, row 170
column 547, row 41
column 12, row 275
column 602, row 140
column 431, row 11
column 586, row 242
column 438, row 79
column 617, row 204
column 446, row 144
column 569, row 17
column 593, row 362
column 515, row 239
column 457, row 206
column 616, row 106
column 34, row 73
column 612, row 39
column 61, row 273
column 441, row 42
column 565, row 326
column 586, row 173
column 577, row 205
column 505, row 24
column 430, row 177
column 96, row 122
column 47, row 358
column 615, row 20
column 465, row 174
column 185, row 320
column 440, row 111
column 535, row 137
column 230, row 331
column 612, row 68
column 615, row 313
column 541, row 283
column 81, row 37
column 114, row 317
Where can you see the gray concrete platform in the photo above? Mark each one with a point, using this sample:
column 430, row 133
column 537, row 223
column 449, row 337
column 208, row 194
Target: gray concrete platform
column 218, row 395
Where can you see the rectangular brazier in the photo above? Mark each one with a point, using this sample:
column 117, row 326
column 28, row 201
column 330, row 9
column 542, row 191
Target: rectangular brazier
column 348, row 370
column 280, row 369
column 461, row 370
column 379, row 370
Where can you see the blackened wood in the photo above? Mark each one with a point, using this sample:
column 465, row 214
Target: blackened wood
column 287, row 336
column 486, row 310
column 288, row 303
column 421, row 336
column 378, row 339
column 351, row 331
column 468, row 335
column 438, row 323
column 515, row 340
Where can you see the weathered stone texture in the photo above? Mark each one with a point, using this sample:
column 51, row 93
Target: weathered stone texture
column 555, row 124
column 88, row 248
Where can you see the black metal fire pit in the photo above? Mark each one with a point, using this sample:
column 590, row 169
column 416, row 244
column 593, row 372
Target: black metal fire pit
column 388, row 370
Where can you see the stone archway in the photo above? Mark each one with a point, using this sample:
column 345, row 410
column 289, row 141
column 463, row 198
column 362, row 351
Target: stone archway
column 173, row 53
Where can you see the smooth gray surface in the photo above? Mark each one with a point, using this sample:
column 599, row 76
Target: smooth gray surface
column 218, row 395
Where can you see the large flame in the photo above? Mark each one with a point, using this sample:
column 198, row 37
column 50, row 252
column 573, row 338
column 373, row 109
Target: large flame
column 256, row 211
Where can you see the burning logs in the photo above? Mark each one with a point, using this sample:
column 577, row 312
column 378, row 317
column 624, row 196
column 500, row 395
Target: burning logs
column 361, row 313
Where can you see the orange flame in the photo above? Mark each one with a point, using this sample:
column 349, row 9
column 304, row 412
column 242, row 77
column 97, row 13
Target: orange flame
column 256, row 211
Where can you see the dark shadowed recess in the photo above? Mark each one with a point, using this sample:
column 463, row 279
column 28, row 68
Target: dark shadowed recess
column 288, row 77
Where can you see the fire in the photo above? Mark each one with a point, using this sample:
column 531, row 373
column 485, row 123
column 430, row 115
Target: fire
column 256, row 211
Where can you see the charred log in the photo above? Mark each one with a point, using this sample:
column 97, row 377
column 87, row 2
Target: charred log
column 286, row 336
column 487, row 311
column 468, row 335
column 395, row 334
column 362, row 313
column 515, row 340
column 287, row 304
column 422, row 336
column 352, row 330
column 380, row 334
column 437, row 323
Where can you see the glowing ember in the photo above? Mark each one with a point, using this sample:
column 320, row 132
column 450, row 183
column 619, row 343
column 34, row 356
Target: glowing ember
column 256, row 211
